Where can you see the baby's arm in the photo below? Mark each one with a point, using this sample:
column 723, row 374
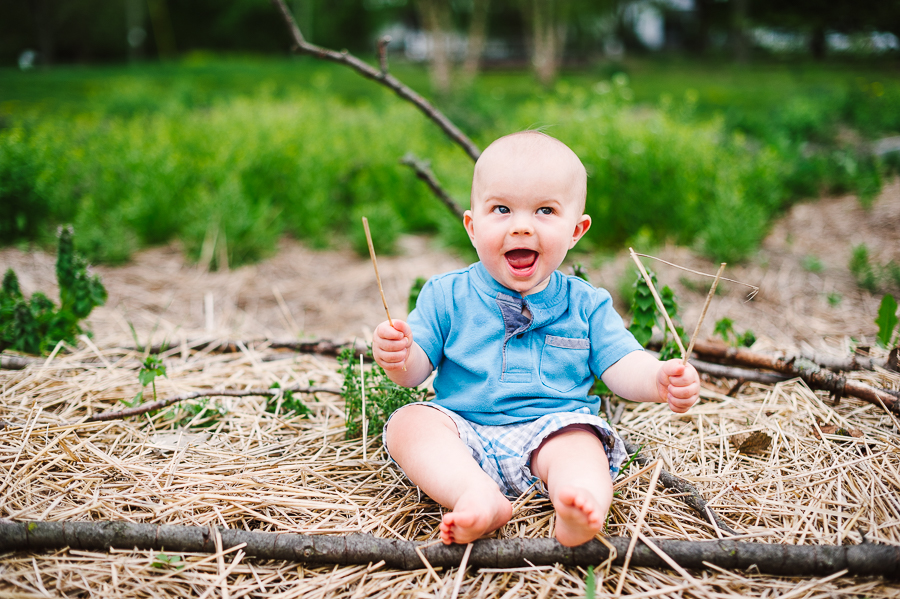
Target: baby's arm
column 395, row 350
column 640, row 377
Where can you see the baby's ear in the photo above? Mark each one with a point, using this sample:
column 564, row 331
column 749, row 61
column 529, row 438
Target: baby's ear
column 469, row 224
column 581, row 227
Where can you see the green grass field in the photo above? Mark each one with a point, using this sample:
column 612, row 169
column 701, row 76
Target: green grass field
column 229, row 154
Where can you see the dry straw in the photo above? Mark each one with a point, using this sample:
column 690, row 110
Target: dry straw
column 256, row 470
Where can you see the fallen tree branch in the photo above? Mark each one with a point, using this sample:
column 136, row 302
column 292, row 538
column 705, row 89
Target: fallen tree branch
column 381, row 76
column 814, row 375
column 322, row 347
column 836, row 363
column 162, row 403
column 8, row 362
column 423, row 172
column 793, row 560
column 688, row 493
column 732, row 372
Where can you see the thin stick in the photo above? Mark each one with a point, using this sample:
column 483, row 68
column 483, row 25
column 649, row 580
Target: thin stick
column 637, row 526
column 362, row 387
column 659, row 303
column 712, row 292
column 365, row 222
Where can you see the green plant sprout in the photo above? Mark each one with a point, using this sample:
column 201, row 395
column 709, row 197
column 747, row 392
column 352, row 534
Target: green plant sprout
column 36, row 325
column 590, row 584
column 870, row 275
column 162, row 560
column 195, row 412
column 151, row 367
column 725, row 329
column 383, row 395
column 289, row 403
column 887, row 321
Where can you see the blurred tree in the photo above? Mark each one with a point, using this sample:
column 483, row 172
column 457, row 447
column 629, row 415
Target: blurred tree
column 438, row 23
column 548, row 21
column 476, row 40
column 815, row 18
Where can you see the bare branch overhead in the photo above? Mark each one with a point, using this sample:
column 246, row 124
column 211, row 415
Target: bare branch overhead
column 381, row 76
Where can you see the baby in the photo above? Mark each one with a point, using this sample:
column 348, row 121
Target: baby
column 517, row 345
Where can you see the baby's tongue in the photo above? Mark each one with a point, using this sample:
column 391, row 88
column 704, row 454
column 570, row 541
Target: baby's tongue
column 520, row 259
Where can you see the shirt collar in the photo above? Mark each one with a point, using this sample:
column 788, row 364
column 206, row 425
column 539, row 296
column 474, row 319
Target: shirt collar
column 545, row 299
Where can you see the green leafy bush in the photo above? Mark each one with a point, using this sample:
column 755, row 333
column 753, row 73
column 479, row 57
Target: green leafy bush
column 383, row 395
column 37, row 325
column 174, row 153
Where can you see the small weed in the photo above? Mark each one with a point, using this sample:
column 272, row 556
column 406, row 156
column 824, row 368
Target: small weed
column 887, row 321
column 862, row 269
column 383, row 396
column 870, row 275
column 834, row 299
column 646, row 316
column 643, row 310
column 203, row 413
column 725, row 329
column 37, row 325
column 414, row 292
column 162, row 560
column 286, row 403
column 151, row 368
column 590, row 584
column 813, row 264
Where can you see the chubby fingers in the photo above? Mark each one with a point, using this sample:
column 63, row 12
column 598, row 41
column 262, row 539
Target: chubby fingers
column 390, row 344
column 682, row 385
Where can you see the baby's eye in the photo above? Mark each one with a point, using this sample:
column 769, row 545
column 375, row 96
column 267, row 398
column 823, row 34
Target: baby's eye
column 501, row 210
column 545, row 210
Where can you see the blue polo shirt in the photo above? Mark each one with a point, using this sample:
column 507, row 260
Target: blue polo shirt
column 497, row 366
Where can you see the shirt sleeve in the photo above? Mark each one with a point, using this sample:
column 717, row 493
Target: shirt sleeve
column 610, row 340
column 426, row 322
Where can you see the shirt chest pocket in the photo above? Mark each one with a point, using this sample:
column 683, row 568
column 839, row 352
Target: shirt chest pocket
column 564, row 362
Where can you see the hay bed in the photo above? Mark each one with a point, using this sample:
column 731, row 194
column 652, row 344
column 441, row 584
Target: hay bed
column 259, row 471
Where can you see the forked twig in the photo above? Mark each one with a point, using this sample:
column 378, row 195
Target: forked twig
column 381, row 76
column 754, row 288
column 712, row 292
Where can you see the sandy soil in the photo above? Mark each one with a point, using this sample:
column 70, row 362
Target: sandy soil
column 333, row 294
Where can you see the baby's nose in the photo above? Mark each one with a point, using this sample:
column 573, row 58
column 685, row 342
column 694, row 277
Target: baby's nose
column 521, row 226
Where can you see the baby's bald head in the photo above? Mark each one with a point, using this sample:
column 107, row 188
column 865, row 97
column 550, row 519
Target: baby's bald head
column 540, row 152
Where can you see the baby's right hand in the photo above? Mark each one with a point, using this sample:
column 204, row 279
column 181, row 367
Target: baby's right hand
column 390, row 344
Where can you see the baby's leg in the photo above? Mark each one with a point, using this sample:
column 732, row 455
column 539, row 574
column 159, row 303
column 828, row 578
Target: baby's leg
column 573, row 464
column 426, row 444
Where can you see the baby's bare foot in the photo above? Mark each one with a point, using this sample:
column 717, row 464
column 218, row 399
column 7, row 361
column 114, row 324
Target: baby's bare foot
column 579, row 516
column 476, row 513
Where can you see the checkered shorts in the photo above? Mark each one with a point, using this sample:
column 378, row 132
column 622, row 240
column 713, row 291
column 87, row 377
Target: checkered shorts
column 504, row 451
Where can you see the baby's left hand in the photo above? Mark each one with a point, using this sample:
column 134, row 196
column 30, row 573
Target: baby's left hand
column 678, row 385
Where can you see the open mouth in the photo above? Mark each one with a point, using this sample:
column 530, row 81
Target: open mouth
column 521, row 262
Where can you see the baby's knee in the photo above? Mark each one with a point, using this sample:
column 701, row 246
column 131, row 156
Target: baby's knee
column 414, row 420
